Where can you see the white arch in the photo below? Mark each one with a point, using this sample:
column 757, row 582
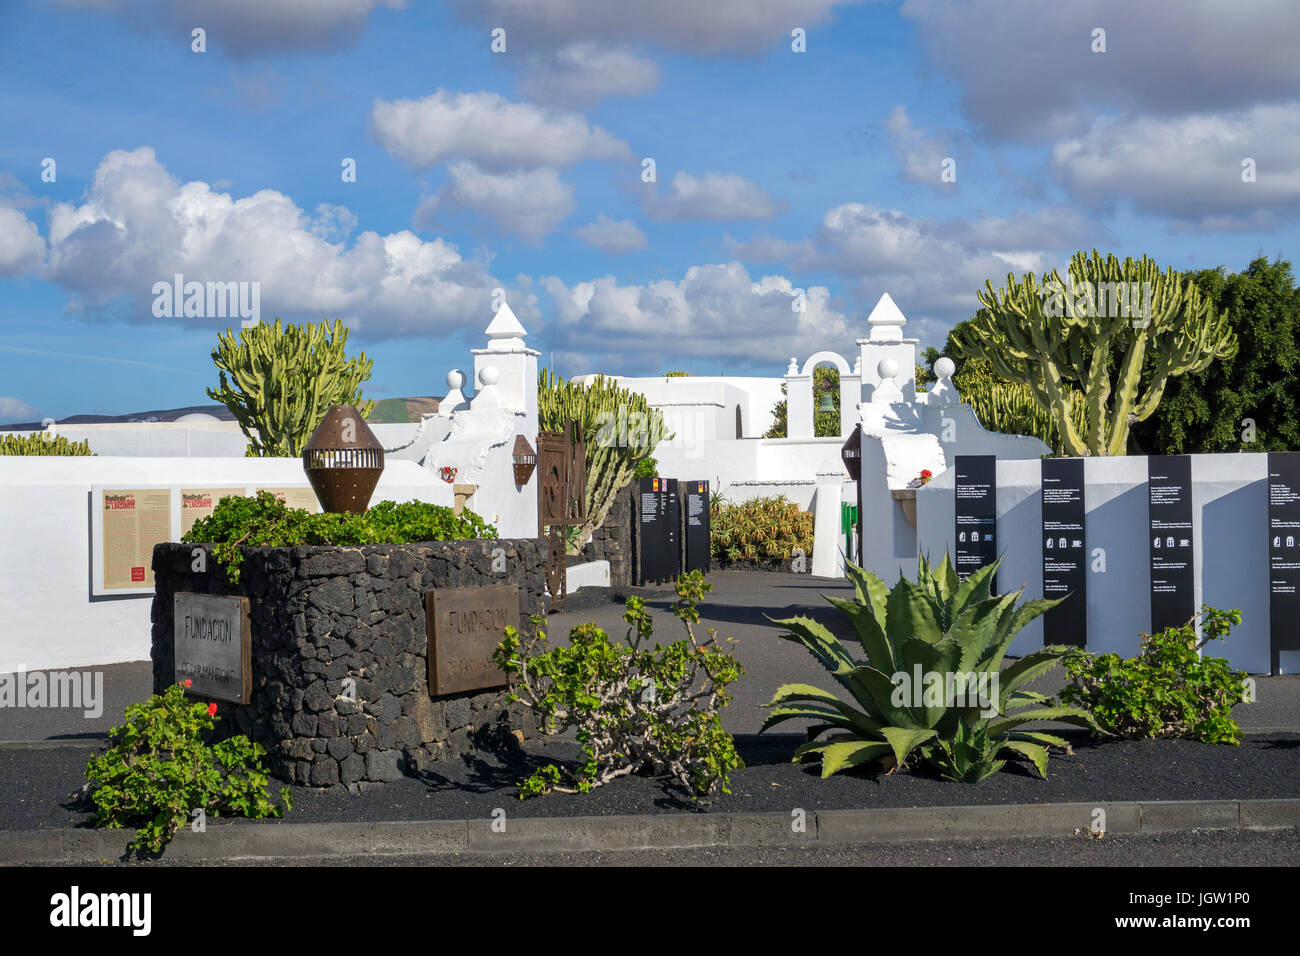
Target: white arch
column 833, row 357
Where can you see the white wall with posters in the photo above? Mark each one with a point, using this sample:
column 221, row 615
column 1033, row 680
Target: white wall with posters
column 52, row 618
column 1230, row 525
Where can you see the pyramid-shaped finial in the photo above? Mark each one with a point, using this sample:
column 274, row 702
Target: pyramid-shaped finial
column 886, row 321
column 505, row 332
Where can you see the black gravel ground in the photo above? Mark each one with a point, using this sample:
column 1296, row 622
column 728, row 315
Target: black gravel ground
column 35, row 784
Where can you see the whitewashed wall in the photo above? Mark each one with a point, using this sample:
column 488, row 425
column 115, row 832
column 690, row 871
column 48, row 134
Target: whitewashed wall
column 156, row 439
column 1230, row 518
column 50, row 618
column 699, row 408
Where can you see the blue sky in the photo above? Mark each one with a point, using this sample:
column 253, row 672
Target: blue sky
column 522, row 170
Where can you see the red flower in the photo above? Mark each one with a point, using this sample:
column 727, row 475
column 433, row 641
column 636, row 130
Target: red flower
column 188, row 682
column 925, row 473
column 212, row 710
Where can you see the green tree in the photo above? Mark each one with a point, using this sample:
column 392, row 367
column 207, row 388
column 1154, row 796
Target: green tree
column 1212, row 410
column 283, row 380
column 825, row 424
column 1063, row 340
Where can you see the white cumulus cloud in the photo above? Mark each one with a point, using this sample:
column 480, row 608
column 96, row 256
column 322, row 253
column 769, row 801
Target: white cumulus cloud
column 527, row 203
column 14, row 411
column 1026, row 69
column 713, row 311
column 581, row 74
column 21, row 247
column 138, row 225
column 715, row 197
column 612, row 236
column 489, row 130
column 694, row 26
column 244, row 27
column 1190, row 168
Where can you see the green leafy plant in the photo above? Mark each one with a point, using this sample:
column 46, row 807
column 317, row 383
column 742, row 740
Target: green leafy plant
column 938, row 630
column 239, row 522
column 635, row 708
column 760, row 529
column 42, row 443
column 1167, row 689
column 646, row 468
column 1250, row 402
column 157, row 771
column 283, row 381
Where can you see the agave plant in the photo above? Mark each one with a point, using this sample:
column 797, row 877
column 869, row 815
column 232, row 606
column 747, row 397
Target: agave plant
column 932, row 685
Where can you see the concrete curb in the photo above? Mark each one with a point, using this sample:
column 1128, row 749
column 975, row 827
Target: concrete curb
column 234, row 841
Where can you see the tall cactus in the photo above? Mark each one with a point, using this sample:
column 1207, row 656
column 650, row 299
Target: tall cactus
column 618, row 426
column 282, row 381
column 1010, row 407
column 1059, row 338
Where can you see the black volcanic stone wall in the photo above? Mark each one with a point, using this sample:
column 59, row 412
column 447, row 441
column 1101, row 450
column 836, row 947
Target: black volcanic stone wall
column 323, row 614
column 612, row 541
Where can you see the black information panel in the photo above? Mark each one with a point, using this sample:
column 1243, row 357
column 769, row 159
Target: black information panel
column 1283, row 553
column 977, row 513
column 1065, row 552
column 697, row 526
column 658, row 535
column 1173, row 569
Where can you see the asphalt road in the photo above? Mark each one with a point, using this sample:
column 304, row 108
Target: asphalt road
column 1191, row 848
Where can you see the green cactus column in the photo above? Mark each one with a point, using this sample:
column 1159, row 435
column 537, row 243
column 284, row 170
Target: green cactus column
column 1061, row 340
column 282, row 381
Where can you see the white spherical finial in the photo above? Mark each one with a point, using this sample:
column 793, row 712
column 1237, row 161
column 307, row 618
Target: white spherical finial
column 944, row 367
column 488, row 375
column 887, row 368
column 455, row 378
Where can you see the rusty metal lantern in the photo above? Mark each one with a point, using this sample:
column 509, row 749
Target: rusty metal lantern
column 525, row 460
column 851, row 454
column 343, row 461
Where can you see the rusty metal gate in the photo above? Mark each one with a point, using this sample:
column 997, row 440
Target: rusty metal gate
column 561, row 499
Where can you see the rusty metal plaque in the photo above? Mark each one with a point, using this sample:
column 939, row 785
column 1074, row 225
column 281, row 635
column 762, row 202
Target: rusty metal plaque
column 213, row 646
column 465, row 625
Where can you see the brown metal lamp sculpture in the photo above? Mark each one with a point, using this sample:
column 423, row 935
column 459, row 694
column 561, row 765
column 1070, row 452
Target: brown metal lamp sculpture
column 343, row 461
column 524, row 459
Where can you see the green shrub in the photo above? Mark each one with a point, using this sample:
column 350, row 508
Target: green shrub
column 42, row 443
column 646, row 468
column 1167, row 689
column 939, row 626
column 239, row 522
column 761, row 529
column 636, row 709
column 158, row 771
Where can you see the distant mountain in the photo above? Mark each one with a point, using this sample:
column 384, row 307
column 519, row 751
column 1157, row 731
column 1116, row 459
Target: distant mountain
column 387, row 411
